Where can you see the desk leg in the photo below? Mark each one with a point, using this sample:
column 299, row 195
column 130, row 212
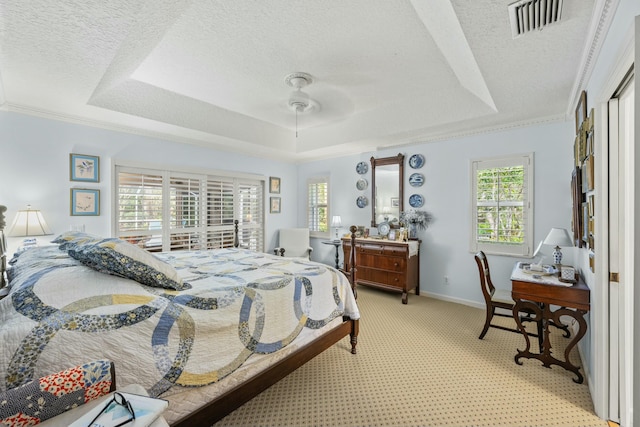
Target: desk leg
column 578, row 315
column 537, row 315
column 548, row 317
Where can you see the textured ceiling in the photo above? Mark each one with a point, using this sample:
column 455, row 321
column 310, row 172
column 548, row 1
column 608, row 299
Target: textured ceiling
column 212, row 72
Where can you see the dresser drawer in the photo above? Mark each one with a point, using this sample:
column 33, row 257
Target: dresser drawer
column 381, row 249
column 388, row 278
column 381, row 262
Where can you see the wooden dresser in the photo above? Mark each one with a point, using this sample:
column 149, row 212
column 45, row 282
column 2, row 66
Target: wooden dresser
column 386, row 264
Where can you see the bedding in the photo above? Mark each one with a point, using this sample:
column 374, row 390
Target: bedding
column 240, row 304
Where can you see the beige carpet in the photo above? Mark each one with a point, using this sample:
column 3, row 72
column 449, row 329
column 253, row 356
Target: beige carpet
column 422, row 364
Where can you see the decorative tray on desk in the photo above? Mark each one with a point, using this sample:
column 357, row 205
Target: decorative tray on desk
column 547, row 270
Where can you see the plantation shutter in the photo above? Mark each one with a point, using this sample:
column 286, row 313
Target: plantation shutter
column 503, row 205
column 166, row 210
column 186, row 227
column 140, row 208
column 220, row 212
column 250, row 214
column 318, row 206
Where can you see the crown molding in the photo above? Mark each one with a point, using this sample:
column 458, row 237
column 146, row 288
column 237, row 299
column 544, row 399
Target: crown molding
column 603, row 14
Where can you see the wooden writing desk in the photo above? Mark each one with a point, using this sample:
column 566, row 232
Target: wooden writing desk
column 538, row 295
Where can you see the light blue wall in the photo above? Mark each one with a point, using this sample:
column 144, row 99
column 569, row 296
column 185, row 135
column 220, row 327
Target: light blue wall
column 445, row 249
column 34, row 169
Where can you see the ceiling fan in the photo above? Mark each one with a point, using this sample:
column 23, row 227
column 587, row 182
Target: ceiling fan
column 299, row 101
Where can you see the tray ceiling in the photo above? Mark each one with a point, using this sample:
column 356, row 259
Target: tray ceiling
column 212, row 72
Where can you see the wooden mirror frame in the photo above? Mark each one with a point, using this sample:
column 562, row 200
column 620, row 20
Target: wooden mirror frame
column 395, row 160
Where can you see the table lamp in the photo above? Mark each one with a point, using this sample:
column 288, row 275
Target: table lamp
column 336, row 222
column 558, row 237
column 29, row 223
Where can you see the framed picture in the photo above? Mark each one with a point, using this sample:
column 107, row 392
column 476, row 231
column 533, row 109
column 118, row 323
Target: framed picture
column 585, row 222
column 395, row 202
column 84, row 168
column 581, row 110
column 576, row 195
column 274, row 185
column 392, row 234
column 85, row 202
column 274, row 204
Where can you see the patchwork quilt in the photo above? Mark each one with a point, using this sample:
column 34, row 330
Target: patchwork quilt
column 61, row 313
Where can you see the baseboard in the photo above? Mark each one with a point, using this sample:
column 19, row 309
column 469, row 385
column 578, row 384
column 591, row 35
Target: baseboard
column 447, row 298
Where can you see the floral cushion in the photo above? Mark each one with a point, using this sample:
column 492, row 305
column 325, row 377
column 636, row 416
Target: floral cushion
column 46, row 397
column 120, row 258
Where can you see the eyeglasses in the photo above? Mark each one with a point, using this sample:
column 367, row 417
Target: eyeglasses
column 119, row 400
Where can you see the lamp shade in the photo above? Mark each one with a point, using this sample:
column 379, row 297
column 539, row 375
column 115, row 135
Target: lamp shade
column 336, row 221
column 558, row 237
column 29, row 222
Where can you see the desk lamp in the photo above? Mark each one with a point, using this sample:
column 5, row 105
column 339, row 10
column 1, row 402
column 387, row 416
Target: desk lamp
column 558, row 237
column 336, row 222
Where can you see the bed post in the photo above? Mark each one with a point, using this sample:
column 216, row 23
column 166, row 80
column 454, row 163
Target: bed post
column 236, row 241
column 355, row 324
column 352, row 261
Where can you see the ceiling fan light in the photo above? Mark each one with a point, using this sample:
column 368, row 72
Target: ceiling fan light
column 299, row 101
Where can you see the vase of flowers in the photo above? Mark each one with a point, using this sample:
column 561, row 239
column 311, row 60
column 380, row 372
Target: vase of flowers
column 416, row 220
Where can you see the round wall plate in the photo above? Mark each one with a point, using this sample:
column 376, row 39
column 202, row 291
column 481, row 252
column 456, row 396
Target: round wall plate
column 362, row 184
column 416, row 161
column 416, row 201
column 362, row 168
column 416, row 179
column 362, row 201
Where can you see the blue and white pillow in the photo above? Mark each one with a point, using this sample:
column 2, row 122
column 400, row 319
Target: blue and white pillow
column 120, row 258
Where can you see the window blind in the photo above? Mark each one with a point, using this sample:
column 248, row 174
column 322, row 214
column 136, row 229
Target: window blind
column 168, row 210
column 502, row 203
column 318, row 206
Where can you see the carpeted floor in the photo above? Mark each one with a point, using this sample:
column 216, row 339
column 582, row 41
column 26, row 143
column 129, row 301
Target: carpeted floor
column 422, row 364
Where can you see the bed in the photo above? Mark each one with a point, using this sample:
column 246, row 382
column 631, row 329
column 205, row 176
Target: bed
column 224, row 325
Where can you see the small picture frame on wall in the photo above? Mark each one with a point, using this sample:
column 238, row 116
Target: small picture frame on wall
column 581, row 110
column 85, row 202
column 395, row 202
column 274, row 185
column 275, row 204
column 84, row 168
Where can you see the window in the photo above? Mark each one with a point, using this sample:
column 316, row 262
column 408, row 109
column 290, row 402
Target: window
column 318, row 206
column 168, row 210
column 502, row 203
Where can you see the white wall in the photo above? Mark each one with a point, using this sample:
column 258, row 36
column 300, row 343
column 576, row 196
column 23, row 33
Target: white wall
column 34, row 169
column 447, row 192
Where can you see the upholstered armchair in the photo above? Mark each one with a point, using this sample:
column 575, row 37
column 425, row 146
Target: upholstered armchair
column 294, row 243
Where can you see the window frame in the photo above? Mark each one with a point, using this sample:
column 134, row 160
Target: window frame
column 525, row 249
column 319, row 180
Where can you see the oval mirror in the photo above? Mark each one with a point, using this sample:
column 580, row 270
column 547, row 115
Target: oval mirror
column 387, row 191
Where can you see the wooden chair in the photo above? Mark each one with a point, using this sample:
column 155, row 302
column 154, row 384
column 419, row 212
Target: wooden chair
column 294, row 243
column 497, row 299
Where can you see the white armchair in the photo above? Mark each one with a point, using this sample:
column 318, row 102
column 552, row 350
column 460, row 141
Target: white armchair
column 294, row 242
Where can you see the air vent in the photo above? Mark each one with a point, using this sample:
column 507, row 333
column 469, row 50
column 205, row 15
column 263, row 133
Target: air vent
column 530, row 15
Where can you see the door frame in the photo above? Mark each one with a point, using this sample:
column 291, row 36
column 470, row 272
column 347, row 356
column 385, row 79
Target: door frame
column 600, row 384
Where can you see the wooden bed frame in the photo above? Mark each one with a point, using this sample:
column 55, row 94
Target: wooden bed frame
column 226, row 403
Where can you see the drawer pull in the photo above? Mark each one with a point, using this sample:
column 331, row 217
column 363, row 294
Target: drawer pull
column 395, row 264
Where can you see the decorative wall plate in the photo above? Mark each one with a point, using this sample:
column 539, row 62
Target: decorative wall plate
column 362, row 201
column 416, row 179
column 362, row 168
column 362, row 184
column 383, row 228
column 416, row 201
column 416, row 161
